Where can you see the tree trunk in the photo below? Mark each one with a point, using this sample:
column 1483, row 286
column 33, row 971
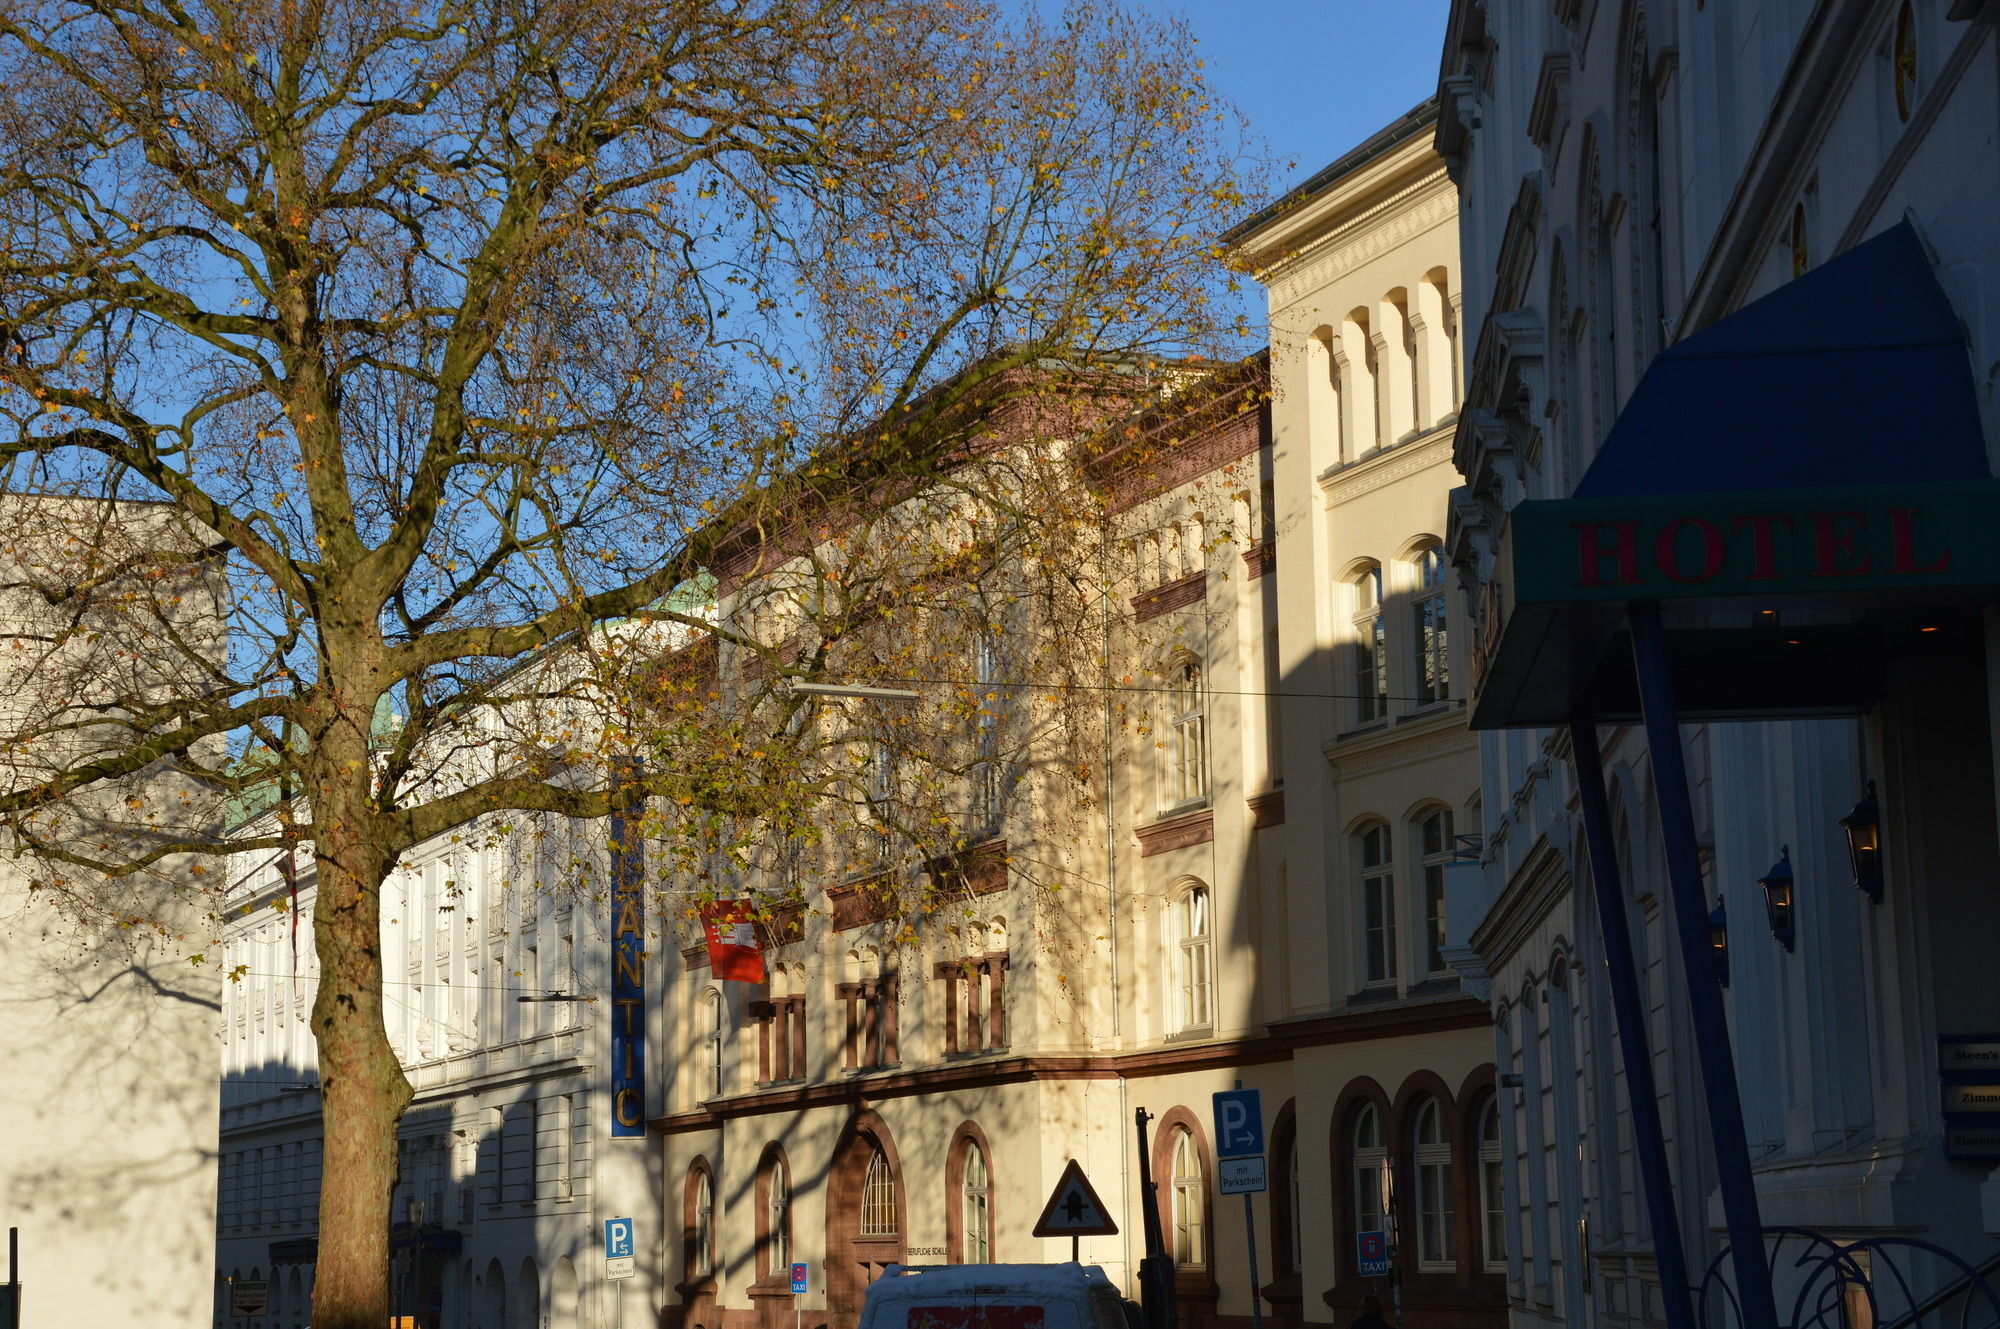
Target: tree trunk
column 362, row 1087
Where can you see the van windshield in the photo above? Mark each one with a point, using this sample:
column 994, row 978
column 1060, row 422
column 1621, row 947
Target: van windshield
column 998, row 1315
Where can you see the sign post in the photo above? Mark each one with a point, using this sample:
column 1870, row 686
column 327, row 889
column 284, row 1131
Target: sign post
column 618, row 1257
column 801, row 1276
column 1074, row 1211
column 1239, row 1152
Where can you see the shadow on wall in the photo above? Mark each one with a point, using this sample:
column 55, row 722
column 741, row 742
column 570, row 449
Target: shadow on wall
column 108, row 1101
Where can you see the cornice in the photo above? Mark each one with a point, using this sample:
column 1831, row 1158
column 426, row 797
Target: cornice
column 1541, row 882
column 1356, row 479
column 1279, row 1042
column 1423, row 206
column 1416, row 739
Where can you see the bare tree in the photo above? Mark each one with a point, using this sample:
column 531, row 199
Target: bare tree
column 456, row 331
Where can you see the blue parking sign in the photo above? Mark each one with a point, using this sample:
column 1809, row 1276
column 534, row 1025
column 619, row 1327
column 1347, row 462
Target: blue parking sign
column 1371, row 1253
column 617, row 1238
column 1239, row 1124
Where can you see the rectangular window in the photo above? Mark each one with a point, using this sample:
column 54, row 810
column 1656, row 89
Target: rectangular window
column 1378, row 904
column 781, row 1039
column 1437, row 854
column 1371, row 650
column 975, row 1003
column 1187, row 739
column 871, row 1023
column 1433, row 663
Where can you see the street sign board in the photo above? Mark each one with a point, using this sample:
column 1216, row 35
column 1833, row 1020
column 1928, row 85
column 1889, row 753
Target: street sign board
column 1240, row 1176
column 1074, row 1210
column 1371, row 1253
column 801, row 1275
column 250, row 1296
column 1239, row 1124
column 618, row 1257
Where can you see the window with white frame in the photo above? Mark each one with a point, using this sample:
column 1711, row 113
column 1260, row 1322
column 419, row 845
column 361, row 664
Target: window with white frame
column 1378, row 903
column 713, row 1015
column 976, row 1199
column 1434, row 837
column 878, row 1198
column 702, row 1256
column 1433, row 1154
column 1433, row 657
column 1492, row 1195
column 1187, row 737
column 1369, row 1160
column 1194, row 971
column 1371, row 649
column 777, row 1220
column 1190, row 1187
column 985, row 774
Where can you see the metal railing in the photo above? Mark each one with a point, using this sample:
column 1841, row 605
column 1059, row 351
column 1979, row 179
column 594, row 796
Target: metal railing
column 1859, row 1283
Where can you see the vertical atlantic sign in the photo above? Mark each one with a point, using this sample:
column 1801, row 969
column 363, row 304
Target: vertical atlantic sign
column 628, row 969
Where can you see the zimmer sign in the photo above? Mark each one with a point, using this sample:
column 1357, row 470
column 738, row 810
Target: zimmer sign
column 1763, row 544
column 628, row 974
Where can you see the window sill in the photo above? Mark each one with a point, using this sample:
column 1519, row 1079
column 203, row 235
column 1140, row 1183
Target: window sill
column 1177, row 828
column 1374, row 726
column 1192, row 1034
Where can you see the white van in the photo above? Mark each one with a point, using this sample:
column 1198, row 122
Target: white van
column 994, row 1296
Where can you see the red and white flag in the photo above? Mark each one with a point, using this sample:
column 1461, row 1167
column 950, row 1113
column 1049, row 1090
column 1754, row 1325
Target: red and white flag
column 731, row 931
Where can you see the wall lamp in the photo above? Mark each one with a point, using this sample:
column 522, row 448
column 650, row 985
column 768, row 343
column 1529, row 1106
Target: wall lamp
column 1777, row 884
column 552, row 996
column 1864, row 843
column 1718, row 939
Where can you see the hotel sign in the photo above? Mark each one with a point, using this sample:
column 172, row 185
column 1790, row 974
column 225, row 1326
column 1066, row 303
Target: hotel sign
column 628, row 974
column 1765, row 544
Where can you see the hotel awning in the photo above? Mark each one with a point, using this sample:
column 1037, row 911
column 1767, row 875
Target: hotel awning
column 1803, row 487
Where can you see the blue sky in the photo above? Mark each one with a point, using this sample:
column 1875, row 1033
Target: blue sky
column 1315, row 77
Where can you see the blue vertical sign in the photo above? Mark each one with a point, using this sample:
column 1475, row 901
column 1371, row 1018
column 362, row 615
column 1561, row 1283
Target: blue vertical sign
column 628, row 965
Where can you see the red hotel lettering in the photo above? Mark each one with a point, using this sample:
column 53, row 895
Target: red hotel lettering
column 1833, row 544
column 1590, row 553
column 1764, row 559
column 1666, row 549
column 1903, row 535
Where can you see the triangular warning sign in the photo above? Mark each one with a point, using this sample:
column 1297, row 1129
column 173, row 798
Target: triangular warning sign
column 1074, row 1209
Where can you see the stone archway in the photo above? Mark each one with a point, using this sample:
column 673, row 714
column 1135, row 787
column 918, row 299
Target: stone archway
column 866, row 1225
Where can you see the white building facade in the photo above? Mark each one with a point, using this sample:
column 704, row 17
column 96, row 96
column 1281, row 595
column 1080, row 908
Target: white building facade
column 509, row 1166
column 1633, row 173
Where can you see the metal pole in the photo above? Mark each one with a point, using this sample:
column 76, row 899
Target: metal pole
column 1256, row 1297
column 1649, row 1140
column 13, row 1307
column 1711, row 1025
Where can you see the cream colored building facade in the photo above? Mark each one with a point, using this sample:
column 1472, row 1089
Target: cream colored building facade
column 1249, row 897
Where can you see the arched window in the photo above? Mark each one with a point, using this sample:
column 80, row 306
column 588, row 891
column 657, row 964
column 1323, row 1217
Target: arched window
column 878, row 1198
column 1187, row 738
column 1492, row 1199
column 1193, row 959
column 1371, row 649
column 701, row 1224
column 712, row 1016
column 1434, row 837
column 1286, row 1235
column 1433, row 1154
column 775, row 1217
column 1370, row 1163
column 1190, row 1204
column 976, row 1207
column 1378, row 903
column 1433, row 657
column 985, row 774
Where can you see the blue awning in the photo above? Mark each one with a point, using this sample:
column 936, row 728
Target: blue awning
column 1854, row 374
column 1791, row 484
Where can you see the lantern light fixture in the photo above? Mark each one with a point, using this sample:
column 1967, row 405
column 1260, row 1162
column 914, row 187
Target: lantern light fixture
column 1718, row 939
column 1777, row 884
column 1863, row 827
